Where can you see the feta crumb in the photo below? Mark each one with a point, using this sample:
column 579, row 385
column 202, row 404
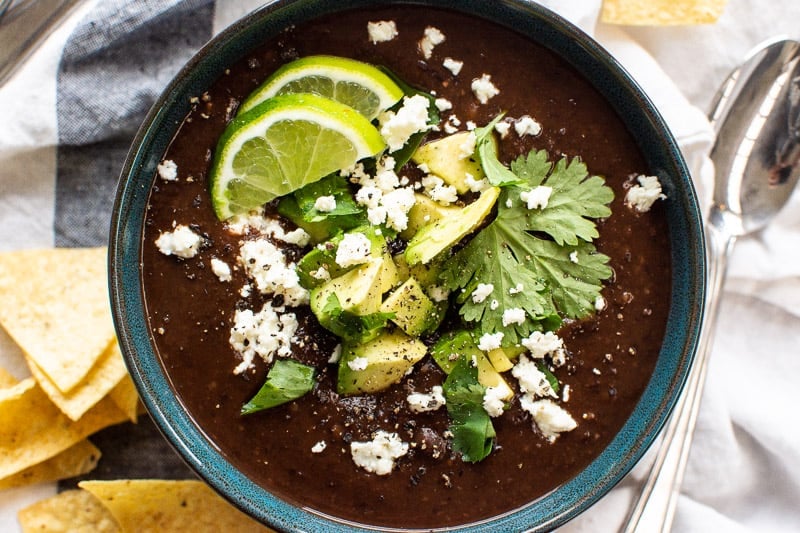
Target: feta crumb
column 319, row 447
column 432, row 36
column 599, row 303
column 397, row 205
column 436, row 188
column 336, row 354
column 437, row 293
column 502, row 128
column 525, row 125
column 481, row 292
column 443, row 104
column 493, row 401
column 490, row 341
column 537, row 197
column 325, row 204
column 381, row 31
column 321, row 274
column 167, row 170
column 565, row 391
column 532, row 380
column 550, row 417
column 358, row 364
column 515, row 315
column 412, row 117
column 379, row 454
column 475, row 185
column 541, row 344
column 484, row 89
column 354, row 249
column 467, row 148
column 221, row 269
column 516, row 289
column 264, row 334
column 266, row 265
column 642, row 197
column 453, row 65
column 420, row 402
column 573, row 256
column 494, row 305
column 471, row 125
column 181, row 242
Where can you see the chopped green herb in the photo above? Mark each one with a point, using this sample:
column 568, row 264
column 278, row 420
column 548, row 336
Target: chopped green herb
column 473, row 432
column 349, row 326
column 336, row 186
column 486, row 147
column 287, row 380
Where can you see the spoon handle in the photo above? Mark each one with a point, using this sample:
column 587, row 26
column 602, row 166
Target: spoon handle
column 655, row 508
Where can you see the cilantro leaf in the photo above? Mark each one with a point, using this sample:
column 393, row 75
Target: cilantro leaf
column 287, row 380
column 486, row 148
column 473, row 432
column 333, row 185
column 349, row 326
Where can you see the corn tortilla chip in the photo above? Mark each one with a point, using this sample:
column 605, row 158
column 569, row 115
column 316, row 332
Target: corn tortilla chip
column 54, row 304
column 72, row 511
column 169, row 506
column 125, row 396
column 33, row 429
column 106, row 374
column 74, row 461
column 6, row 379
column 661, row 12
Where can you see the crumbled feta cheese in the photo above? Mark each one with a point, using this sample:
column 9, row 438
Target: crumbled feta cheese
column 354, row 249
column 525, row 125
column 255, row 223
column 471, row 125
column 264, row 334
column 221, row 269
column 490, row 341
column 381, row 31
column 181, row 242
column 573, row 256
column 484, row 89
column 436, row 188
column 502, row 128
column 642, row 197
column 379, row 454
column 420, row 402
column 493, row 401
column 397, row 205
column 443, row 104
column 537, row 197
column 167, row 170
column 453, row 65
column 336, row 354
column 411, row 118
column 431, row 37
column 437, row 293
column 549, row 417
column 467, row 148
column 516, row 289
column 565, row 391
column 321, row 274
column 541, row 344
column 245, row 291
column 319, row 447
column 599, row 303
column 475, row 185
column 494, row 305
column 481, row 292
column 532, row 380
column 297, row 236
column 266, row 265
column 358, row 364
column 325, row 204
column 515, row 315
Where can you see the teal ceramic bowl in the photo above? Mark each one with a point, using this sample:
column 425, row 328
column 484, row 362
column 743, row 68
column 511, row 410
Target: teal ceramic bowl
column 641, row 118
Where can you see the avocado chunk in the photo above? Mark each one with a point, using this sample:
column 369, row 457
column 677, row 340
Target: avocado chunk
column 501, row 358
column 375, row 365
column 323, row 256
column 438, row 236
column 452, row 347
column 358, row 290
column 425, row 211
column 414, row 312
column 443, row 158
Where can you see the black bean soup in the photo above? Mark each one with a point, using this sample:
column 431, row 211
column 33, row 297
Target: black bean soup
column 610, row 355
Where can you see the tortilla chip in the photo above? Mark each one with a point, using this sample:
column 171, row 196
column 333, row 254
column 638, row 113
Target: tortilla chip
column 54, row 304
column 6, row 379
column 169, row 506
column 73, row 511
column 74, row 461
column 125, row 396
column 33, row 429
column 661, row 12
column 102, row 378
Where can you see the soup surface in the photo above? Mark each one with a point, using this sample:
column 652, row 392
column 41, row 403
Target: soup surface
column 610, row 355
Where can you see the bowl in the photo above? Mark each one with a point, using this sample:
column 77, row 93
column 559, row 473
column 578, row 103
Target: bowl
column 640, row 118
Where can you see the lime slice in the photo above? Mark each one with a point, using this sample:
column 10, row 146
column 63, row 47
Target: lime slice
column 283, row 144
column 359, row 85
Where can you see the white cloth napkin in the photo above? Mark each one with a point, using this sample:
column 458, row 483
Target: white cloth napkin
column 744, row 471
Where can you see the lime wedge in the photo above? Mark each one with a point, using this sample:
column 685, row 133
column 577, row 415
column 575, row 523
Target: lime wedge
column 359, row 85
column 285, row 143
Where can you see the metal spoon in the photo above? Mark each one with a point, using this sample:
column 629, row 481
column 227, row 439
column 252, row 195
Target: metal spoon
column 756, row 155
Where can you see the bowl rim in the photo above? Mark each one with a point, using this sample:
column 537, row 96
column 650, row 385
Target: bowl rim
column 576, row 48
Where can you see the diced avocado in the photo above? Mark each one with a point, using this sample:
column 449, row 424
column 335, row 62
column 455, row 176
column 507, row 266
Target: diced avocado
column 414, row 312
column 318, row 231
column 503, row 358
column 323, row 256
column 425, row 274
column 455, row 345
column 434, row 238
column 443, row 158
column 425, row 211
column 390, row 277
column 375, row 365
column 358, row 290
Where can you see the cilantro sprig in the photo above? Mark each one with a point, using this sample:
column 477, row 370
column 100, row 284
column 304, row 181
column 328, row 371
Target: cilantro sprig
column 540, row 260
column 471, row 426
